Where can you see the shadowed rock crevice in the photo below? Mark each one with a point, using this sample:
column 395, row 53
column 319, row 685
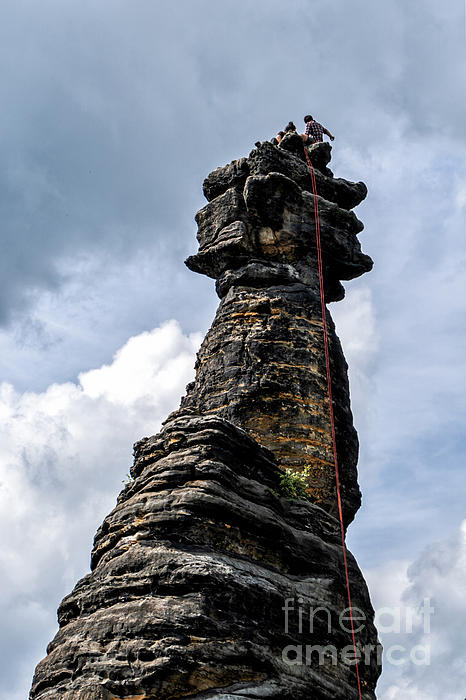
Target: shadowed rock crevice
column 205, row 581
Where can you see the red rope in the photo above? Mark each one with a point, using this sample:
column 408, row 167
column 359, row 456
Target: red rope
column 330, row 399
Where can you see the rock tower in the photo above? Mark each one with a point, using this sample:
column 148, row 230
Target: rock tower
column 206, row 582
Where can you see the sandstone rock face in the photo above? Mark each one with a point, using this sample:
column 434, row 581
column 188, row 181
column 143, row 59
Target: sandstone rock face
column 262, row 364
column 190, row 576
column 205, row 581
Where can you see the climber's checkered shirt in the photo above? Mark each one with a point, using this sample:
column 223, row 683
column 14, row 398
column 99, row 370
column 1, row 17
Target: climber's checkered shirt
column 315, row 131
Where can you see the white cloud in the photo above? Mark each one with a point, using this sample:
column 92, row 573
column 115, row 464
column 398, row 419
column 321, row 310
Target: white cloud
column 461, row 195
column 161, row 358
column 409, row 400
column 356, row 326
column 63, row 456
column 431, row 591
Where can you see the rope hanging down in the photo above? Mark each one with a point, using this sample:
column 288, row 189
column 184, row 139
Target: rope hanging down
column 330, row 399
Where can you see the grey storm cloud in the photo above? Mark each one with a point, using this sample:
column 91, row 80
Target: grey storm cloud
column 113, row 112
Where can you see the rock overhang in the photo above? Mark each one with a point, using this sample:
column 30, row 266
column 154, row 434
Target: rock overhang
column 272, row 220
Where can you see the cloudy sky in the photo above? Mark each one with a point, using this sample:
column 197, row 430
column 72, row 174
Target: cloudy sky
column 113, row 112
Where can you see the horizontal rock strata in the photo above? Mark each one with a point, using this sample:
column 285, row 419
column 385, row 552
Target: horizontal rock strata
column 262, row 366
column 190, row 576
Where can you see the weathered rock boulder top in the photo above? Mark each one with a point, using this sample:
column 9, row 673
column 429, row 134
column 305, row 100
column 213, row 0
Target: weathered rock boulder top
column 258, row 228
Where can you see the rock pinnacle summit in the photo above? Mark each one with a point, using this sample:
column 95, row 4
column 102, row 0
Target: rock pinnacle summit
column 206, row 581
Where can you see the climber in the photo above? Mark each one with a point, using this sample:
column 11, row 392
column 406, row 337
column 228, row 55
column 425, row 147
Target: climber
column 314, row 131
column 276, row 139
column 290, row 128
